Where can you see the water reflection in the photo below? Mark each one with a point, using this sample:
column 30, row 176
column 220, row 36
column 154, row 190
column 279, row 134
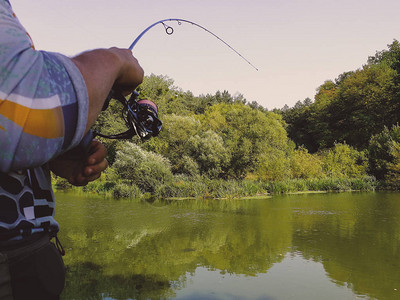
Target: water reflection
column 175, row 249
column 293, row 278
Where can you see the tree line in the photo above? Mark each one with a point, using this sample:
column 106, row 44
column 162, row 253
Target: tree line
column 222, row 141
column 360, row 108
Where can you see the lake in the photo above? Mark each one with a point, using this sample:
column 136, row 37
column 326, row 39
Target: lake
column 309, row 246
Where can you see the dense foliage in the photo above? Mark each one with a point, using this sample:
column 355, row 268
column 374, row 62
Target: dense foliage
column 352, row 108
column 349, row 132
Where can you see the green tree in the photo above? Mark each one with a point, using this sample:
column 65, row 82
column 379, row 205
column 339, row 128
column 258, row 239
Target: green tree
column 393, row 175
column 156, row 87
column 145, row 169
column 320, row 132
column 344, row 161
column 173, row 138
column 362, row 106
column 305, row 165
column 380, row 153
column 391, row 56
column 298, row 124
column 209, row 152
column 247, row 134
column 273, row 165
column 351, row 108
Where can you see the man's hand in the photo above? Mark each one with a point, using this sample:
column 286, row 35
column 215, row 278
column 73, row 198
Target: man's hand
column 130, row 74
column 81, row 171
column 106, row 69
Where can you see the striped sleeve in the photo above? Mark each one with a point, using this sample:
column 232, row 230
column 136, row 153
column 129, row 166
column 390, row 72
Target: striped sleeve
column 43, row 99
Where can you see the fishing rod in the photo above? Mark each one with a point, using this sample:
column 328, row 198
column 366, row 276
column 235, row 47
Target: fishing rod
column 170, row 30
column 141, row 116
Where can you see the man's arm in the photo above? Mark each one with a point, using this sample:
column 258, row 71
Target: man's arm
column 101, row 70
column 49, row 101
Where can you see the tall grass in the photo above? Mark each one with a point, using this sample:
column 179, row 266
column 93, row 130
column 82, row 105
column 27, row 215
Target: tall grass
column 202, row 187
column 322, row 184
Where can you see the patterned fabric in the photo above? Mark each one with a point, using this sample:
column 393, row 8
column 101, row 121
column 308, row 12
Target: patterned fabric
column 43, row 113
column 26, row 204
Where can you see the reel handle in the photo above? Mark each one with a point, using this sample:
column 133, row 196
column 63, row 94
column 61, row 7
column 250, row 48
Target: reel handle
column 117, row 95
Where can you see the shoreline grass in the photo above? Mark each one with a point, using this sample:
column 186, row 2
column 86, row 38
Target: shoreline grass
column 205, row 188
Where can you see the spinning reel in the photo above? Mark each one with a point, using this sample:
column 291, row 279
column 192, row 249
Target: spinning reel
column 140, row 116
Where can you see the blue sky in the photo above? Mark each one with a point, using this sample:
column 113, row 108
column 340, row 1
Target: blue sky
column 296, row 45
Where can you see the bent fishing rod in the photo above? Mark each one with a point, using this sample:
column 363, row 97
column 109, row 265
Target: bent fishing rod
column 170, row 30
column 141, row 116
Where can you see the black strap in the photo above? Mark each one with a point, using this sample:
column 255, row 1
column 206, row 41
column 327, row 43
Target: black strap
column 59, row 247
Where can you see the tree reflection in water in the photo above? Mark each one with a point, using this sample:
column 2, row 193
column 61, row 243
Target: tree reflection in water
column 138, row 250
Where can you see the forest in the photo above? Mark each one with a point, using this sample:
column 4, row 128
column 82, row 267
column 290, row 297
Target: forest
column 221, row 145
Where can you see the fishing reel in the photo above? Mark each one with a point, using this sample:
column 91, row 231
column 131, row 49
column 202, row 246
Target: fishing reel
column 140, row 116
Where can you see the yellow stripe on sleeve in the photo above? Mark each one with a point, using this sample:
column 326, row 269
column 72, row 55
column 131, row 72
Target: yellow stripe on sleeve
column 45, row 123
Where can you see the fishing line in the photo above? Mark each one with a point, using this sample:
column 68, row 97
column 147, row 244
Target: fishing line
column 170, row 30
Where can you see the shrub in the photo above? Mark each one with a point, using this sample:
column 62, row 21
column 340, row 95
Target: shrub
column 188, row 166
column 344, row 161
column 380, row 153
column 125, row 190
column 393, row 175
column 210, row 153
column 273, row 165
column 60, row 183
column 146, row 169
column 305, row 165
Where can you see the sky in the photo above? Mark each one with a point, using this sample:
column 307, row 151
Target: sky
column 296, row 44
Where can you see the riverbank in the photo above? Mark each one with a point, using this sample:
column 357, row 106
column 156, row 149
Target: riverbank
column 203, row 187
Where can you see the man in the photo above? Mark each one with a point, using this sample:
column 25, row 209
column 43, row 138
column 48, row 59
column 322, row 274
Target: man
column 48, row 102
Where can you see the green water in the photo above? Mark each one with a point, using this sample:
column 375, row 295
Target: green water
column 314, row 246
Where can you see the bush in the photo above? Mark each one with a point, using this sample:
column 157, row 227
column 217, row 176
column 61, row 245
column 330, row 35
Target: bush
column 273, row 165
column 146, row 169
column 380, row 153
column 125, row 190
column 210, row 153
column 344, row 161
column 60, row 183
column 305, row 165
column 188, row 166
column 393, row 175
column 182, row 186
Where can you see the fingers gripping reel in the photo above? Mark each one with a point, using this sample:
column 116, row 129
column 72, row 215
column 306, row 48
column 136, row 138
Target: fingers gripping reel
column 140, row 116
